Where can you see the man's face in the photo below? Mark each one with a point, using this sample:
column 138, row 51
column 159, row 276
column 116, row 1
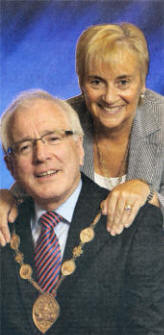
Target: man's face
column 49, row 173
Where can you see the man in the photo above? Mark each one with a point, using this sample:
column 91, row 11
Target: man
column 107, row 285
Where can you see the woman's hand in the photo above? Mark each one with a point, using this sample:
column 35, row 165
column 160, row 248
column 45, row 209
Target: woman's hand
column 8, row 212
column 123, row 204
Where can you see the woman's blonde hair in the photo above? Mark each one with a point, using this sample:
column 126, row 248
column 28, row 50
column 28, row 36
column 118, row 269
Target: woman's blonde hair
column 101, row 41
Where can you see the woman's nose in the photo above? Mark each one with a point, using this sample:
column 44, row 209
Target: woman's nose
column 109, row 95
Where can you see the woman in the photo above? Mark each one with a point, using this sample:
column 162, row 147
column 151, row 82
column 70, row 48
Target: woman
column 122, row 120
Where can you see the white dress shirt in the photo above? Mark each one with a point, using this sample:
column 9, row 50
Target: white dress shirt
column 61, row 230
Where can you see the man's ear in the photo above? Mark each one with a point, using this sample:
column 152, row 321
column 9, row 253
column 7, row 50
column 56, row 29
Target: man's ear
column 9, row 163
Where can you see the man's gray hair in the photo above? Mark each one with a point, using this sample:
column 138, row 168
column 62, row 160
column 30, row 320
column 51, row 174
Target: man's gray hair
column 24, row 100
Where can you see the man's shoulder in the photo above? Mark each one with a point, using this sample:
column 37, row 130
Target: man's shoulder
column 25, row 210
column 148, row 226
column 90, row 197
column 92, row 187
column 151, row 212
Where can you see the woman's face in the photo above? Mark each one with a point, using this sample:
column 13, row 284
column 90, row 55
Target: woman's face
column 112, row 90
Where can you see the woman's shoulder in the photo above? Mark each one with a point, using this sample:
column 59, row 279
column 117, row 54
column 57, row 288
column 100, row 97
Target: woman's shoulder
column 153, row 97
column 77, row 102
column 153, row 107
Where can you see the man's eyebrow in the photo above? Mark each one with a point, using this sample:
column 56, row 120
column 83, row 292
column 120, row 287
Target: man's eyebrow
column 28, row 138
column 24, row 139
column 124, row 76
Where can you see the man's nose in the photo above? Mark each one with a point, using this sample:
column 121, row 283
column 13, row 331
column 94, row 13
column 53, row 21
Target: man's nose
column 41, row 151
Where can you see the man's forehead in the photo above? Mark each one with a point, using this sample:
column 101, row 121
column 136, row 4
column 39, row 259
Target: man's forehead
column 40, row 115
column 40, row 109
column 43, row 105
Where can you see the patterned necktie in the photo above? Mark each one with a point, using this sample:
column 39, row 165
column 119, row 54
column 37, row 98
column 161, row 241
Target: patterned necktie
column 47, row 252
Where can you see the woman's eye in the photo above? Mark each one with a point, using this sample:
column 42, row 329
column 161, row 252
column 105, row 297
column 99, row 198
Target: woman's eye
column 95, row 82
column 124, row 83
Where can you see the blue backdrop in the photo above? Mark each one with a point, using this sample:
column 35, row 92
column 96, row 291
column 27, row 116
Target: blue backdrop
column 38, row 40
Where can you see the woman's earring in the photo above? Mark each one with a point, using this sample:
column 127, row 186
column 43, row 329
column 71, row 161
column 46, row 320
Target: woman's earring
column 142, row 95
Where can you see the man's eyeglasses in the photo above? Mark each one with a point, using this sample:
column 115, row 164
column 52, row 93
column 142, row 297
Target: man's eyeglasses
column 26, row 146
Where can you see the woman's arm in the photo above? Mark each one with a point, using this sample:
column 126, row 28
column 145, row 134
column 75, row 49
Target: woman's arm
column 8, row 212
column 132, row 193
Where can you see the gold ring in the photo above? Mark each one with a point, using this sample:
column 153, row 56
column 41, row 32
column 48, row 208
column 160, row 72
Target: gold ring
column 128, row 208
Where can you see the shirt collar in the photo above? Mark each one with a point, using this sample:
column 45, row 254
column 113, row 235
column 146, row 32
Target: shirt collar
column 66, row 209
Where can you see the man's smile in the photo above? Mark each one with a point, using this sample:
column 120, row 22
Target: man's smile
column 47, row 173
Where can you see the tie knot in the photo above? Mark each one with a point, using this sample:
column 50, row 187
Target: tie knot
column 50, row 219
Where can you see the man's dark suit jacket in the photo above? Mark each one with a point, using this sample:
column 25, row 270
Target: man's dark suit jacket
column 118, row 285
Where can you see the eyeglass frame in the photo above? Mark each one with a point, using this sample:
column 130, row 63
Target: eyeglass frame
column 33, row 141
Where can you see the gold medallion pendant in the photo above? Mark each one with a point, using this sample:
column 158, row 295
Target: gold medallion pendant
column 87, row 235
column 15, row 242
column 25, row 271
column 45, row 312
column 68, row 267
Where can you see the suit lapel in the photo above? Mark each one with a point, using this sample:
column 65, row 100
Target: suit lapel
column 27, row 291
column 85, row 212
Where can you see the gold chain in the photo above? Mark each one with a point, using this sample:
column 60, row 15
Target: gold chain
column 67, row 268
column 46, row 310
column 103, row 169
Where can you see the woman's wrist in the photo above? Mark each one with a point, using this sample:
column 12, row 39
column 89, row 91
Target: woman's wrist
column 151, row 193
column 152, row 197
column 155, row 201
